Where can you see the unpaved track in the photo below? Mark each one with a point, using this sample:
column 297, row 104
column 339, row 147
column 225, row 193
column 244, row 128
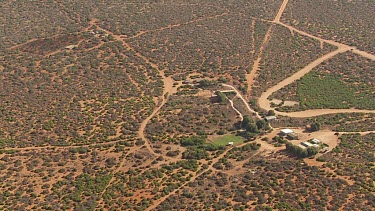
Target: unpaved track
column 175, row 25
column 265, row 103
column 281, row 11
column 263, row 100
column 319, row 112
column 238, row 94
column 237, row 111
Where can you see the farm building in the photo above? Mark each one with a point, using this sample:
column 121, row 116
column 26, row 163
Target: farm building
column 302, row 146
column 315, row 141
column 70, row 47
column 230, row 144
column 286, row 131
column 307, row 144
column 270, row 118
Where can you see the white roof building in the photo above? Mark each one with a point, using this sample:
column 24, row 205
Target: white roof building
column 315, row 141
column 270, row 118
column 287, row 131
column 307, row 144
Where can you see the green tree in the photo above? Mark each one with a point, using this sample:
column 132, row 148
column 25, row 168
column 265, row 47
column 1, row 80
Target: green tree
column 315, row 126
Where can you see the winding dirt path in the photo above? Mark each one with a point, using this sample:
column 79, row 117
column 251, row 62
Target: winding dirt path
column 237, row 111
column 175, row 25
column 238, row 94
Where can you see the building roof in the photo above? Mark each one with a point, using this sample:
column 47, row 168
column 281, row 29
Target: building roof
column 268, row 118
column 287, row 131
column 70, row 47
column 307, row 144
column 315, row 141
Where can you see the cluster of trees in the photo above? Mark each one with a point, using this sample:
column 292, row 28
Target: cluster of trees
column 221, row 97
column 195, row 153
column 192, row 140
column 315, row 127
column 300, row 152
column 251, row 127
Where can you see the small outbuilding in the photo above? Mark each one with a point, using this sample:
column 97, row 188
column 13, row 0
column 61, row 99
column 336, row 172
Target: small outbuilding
column 307, row 144
column 230, row 143
column 286, row 131
column 315, row 141
column 70, row 47
column 270, row 118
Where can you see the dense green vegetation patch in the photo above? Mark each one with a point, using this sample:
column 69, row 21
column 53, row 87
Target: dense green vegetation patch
column 317, row 91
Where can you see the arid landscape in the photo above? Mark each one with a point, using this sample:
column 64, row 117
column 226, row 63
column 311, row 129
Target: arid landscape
column 187, row 105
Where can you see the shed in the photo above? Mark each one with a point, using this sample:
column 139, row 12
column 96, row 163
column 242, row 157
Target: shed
column 315, row 141
column 307, row 144
column 301, row 146
column 70, row 47
column 270, row 118
column 230, row 143
column 286, row 131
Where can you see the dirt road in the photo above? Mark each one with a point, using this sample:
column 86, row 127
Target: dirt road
column 237, row 111
column 281, row 11
column 238, row 94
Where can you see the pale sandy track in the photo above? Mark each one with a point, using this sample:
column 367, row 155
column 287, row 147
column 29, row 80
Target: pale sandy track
column 319, row 112
column 281, row 11
column 237, row 111
column 263, row 100
column 238, row 94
